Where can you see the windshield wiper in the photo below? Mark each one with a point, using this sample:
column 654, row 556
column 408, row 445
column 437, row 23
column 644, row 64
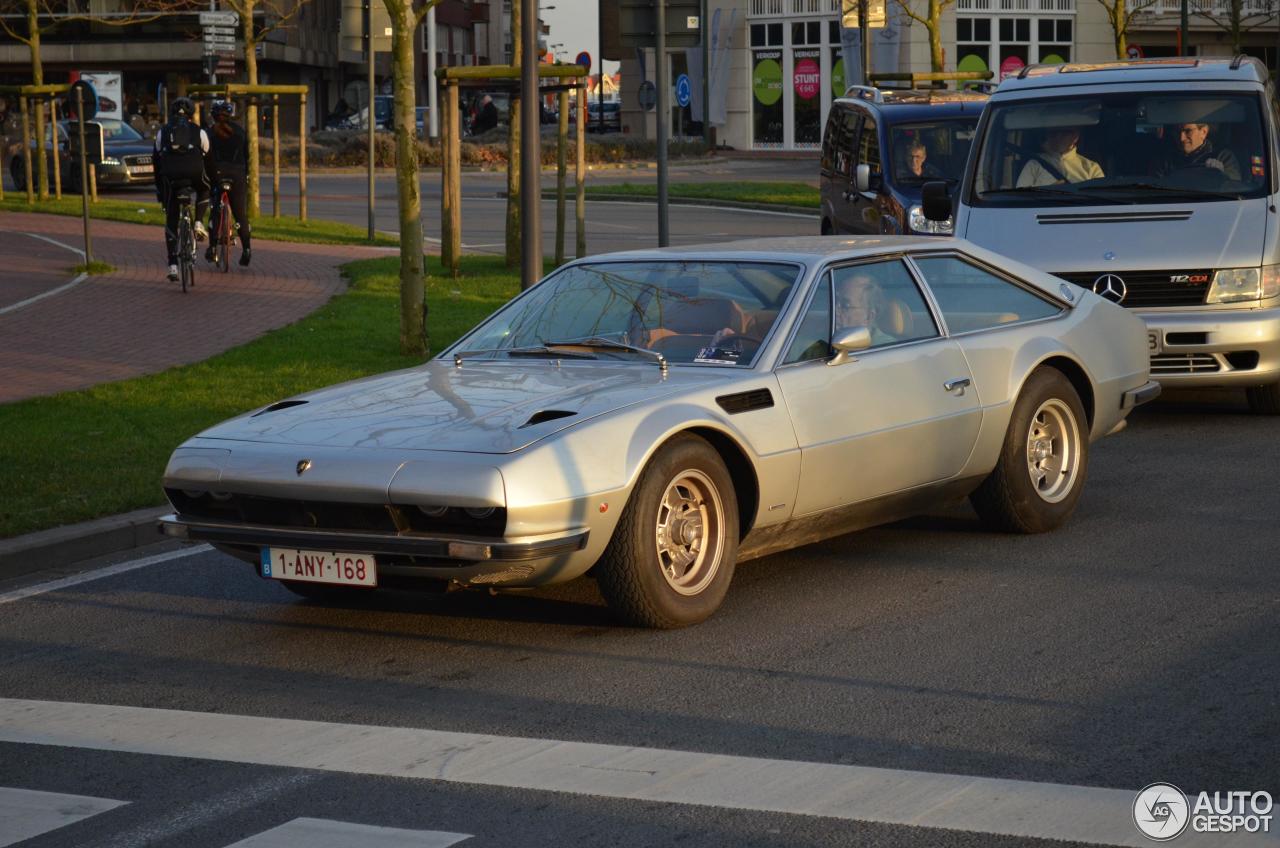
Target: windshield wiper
column 530, row 350
column 1188, row 192
column 1081, row 195
column 597, row 343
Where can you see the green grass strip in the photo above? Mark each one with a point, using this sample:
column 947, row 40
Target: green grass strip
column 769, row 193
column 147, row 211
column 81, row 455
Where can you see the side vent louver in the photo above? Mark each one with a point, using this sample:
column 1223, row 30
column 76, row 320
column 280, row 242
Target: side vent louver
column 546, row 415
column 276, row 407
column 746, row 401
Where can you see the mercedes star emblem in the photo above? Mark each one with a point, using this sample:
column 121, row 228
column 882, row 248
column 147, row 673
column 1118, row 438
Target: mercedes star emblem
column 303, row 465
column 1111, row 287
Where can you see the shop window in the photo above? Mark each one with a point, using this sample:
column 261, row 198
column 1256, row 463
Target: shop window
column 766, row 101
column 806, row 98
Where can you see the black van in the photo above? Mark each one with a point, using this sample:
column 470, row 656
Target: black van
column 880, row 146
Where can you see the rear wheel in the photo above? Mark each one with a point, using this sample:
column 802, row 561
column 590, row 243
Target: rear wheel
column 1265, row 400
column 671, row 558
column 186, row 253
column 1040, row 475
column 224, row 235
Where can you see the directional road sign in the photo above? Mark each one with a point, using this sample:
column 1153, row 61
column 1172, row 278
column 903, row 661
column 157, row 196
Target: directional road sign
column 218, row 30
column 684, row 90
column 220, row 19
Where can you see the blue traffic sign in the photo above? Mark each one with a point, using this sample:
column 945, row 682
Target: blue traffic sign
column 584, row 60
column 684, row 90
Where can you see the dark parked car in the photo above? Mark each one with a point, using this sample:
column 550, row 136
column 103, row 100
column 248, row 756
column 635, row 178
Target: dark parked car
column 612, row 116
column 126, row 157
column 880, row 147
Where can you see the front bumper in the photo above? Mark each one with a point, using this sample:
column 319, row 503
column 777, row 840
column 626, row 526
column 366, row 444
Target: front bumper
column 1215, row 347
column 1145, row 393
column 448, row 549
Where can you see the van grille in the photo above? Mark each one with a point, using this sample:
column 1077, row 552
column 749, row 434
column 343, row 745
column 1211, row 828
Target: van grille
column 1151, row 288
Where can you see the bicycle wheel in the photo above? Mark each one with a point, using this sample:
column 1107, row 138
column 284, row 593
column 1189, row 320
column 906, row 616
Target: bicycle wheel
column 224, row 234
column 184, row 238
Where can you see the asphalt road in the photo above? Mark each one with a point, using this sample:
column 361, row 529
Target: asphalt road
column 1137, row 644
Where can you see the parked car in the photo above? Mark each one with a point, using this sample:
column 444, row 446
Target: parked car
column 653, row 418
column 612, row 116
column 880, row 147
column 1167, row 204
column 126, row 157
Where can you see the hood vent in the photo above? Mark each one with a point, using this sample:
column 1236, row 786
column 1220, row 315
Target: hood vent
column 276, row 407
column 745, row 401
column 546, row 415
column 1114, row 217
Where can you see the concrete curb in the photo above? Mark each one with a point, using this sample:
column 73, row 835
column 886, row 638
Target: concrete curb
column 75, row 542
column 692, row 201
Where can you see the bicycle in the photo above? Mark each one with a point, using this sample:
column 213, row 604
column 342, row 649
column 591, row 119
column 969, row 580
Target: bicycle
column 222, row 238
column 186, row 236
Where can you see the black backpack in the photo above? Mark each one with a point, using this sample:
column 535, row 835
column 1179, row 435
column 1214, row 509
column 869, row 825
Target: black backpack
column 181, row 155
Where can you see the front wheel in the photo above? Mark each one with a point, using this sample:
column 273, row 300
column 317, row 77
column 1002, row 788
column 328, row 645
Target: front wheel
column 671, row 558
column 1265, row 400
column 1041, row 471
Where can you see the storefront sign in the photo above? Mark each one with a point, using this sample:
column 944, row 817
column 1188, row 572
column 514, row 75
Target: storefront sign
column 1010, row 66
column 807, row 79
column 766, row 78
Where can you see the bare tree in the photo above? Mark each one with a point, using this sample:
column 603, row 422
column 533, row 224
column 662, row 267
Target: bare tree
column 276, row 14
column 1120, row 15
column 406, row 20
column 931, row 20
column 1236, row 17
column 513, row 144
column 40, row 17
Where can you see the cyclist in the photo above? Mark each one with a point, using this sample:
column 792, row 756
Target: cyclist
column 181, row 148
column 230, row 157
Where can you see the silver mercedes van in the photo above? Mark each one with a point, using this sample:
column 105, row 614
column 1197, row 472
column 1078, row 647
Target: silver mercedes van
column 1153, row 183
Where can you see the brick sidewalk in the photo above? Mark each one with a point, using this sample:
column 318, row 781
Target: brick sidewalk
column 134, row 321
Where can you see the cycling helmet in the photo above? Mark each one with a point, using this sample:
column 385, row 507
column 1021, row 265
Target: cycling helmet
column 223, row 107
column 182, row 106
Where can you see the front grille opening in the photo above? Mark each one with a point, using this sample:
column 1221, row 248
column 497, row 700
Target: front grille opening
column 1184, row 363
column 1151, row 288
column 1242, row 360
column 336, row 516
column 1186, row 338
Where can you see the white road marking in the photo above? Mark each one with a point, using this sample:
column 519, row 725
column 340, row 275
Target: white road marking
column 890, row 796
column 99, row 573
column 57, row 243
column 26, row 814
column 322, row 833
column 14, row 307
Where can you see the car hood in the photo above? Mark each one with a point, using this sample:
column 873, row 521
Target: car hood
column 481, row 407
column 1175, row 236
column 129, row 147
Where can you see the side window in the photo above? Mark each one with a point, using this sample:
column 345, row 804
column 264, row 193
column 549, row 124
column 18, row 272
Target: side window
column 973, row 299
column 884, row 297
column 869, row 145
column 848, row 139
column 831, row 139
column 813, row 339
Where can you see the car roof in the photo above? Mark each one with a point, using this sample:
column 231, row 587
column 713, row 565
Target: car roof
column 915, row 104
column 1136, row 71
column 808, row 249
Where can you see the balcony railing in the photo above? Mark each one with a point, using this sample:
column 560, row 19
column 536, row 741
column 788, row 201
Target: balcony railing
column 1216, row 8
column 788, row 8
column 1029, row 6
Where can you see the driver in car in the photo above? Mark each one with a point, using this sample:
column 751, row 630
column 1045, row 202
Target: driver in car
column 1193, row 149
column 1058, row 161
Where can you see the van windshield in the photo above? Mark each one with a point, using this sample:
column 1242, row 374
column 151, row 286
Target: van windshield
column 936, row 150
column 1130, row 147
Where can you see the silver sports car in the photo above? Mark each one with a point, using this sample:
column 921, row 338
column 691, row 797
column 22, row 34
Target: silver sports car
column 654, row 418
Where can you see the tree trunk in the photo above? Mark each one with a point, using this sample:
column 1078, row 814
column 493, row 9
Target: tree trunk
column 413, row 304
column 1120, row 25
column 251, row 113
column 935, row 36
column 513, row 149
column 37, row 78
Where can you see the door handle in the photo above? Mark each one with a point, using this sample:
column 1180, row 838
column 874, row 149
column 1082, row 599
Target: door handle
column 960, row 383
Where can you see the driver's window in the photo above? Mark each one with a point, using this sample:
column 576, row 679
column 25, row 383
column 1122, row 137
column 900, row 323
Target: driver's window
column 813, row 338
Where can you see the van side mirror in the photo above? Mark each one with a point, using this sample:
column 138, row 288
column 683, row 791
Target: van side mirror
column 849, row 340
column 935, row 203
column 862, row 178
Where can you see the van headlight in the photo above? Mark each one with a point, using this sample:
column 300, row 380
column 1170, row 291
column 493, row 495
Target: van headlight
column 1234, row 285
column 920, row 224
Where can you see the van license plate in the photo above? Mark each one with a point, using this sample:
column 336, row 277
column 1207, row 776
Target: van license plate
column 1153, row 342
column 342, row 569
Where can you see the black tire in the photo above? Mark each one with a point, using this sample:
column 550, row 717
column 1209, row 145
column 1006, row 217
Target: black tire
column 1265, row 400
column 825, row 227
column 645, row 581
column 1011, row 499
column 186, row 248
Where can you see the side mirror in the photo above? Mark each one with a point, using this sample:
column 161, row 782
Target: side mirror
column 848, row 341
column 935, row 203
column 862, row 178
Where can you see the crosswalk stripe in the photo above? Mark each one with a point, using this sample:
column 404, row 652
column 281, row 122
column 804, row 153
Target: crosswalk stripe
column 890, row 796
column 323, row 833
column 26, row 813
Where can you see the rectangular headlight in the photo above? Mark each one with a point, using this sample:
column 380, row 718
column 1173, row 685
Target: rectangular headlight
column 920, row 224
column 1233, row 285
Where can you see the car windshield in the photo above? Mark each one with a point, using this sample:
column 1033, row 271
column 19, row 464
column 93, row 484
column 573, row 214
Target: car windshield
column 708, row 312
column 112, row 130
column 1127, row 147
column 935, row 150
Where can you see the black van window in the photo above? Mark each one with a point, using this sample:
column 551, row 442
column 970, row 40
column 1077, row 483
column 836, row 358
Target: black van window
column 869, row 145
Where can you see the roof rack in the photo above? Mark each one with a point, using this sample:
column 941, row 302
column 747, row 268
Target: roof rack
column 1237, row 61
column 865, row 92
